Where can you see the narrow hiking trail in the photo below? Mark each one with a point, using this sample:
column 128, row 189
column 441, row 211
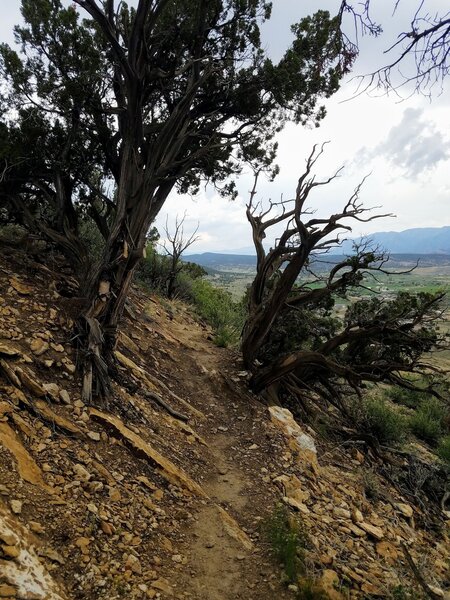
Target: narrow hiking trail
column 227, row 561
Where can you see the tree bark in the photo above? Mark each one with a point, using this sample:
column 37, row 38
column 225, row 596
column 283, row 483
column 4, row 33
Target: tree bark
column 109, row 284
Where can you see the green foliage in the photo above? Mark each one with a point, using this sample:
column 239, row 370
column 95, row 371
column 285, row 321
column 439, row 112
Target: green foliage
column 377, row 418
column 427, row 422
column 193, row 270
column 443, row 450
column 154, row 270
column 288, row 541
column 405, row 397
column 11, row 234
column 392, row 343
column 305, row 328
column 78, row 84
column 219, row 310
column 92, row 238
column 400, row 592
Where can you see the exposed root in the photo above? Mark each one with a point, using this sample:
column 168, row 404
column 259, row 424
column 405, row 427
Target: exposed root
column 157, row 398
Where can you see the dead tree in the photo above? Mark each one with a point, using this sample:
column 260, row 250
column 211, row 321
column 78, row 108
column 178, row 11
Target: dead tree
column 378, row 340
column 174, row 247
column 420, row 54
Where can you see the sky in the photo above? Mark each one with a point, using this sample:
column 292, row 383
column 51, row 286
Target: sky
column 402, row 143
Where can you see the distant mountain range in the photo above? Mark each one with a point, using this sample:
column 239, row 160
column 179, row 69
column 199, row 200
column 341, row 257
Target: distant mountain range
column 214, row 262
column 421, row 240
column 430, row 246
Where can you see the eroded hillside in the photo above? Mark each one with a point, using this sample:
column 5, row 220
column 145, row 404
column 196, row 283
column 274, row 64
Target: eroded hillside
column 161, row 493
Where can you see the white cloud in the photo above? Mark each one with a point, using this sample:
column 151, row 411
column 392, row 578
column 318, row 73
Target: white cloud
column 415, row 145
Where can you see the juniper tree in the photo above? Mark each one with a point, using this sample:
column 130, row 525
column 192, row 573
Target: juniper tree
column 109, row 108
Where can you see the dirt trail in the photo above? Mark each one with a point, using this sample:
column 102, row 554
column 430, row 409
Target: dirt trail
column 215, row 555
column 222, row 567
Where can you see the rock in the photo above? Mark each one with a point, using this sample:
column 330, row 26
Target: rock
column 82, row 543
column 326, row 559
column 177, row 558
column 232, row 528
column 341, row 513
column 21, row 288
column 106, row 528
column 8, row 538
column 387, row 551
column 10, row 551
column 95, row 486
column 29, row 381
column 93, row 435
column 52, row 417
column 70, row 367
column 329, row 581
column 372, row 590
column 5, row 408
column 7, row 591
column 297, row 505
column 292, row 488
column 51, row 554
column 81, row 473
column 163, row 585
column 36, row 527
column 64, row 396
column 16, row 506
column 375, row 532
column 354, row 576
column 356, row 530
column 133, row 564
column 7, row 349
column 357, row 455
column 437, row 591
column 357, row 516
column 39, row 346
column 166, row 468
column 114, row 494
column 298, row 440
column 58, row 348
column 146, row 482
column 26, row 465
column 52, row 390
column 405, row 509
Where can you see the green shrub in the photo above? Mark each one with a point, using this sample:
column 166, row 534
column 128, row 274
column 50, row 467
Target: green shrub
column 288, row 540
column 91, row 236
column 409, row 398
column 377, row 418
column 218, row 309
column 443, row 450
column 154, row 270
column 427, row 423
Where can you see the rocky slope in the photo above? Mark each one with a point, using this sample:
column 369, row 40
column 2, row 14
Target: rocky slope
column 130, row 501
